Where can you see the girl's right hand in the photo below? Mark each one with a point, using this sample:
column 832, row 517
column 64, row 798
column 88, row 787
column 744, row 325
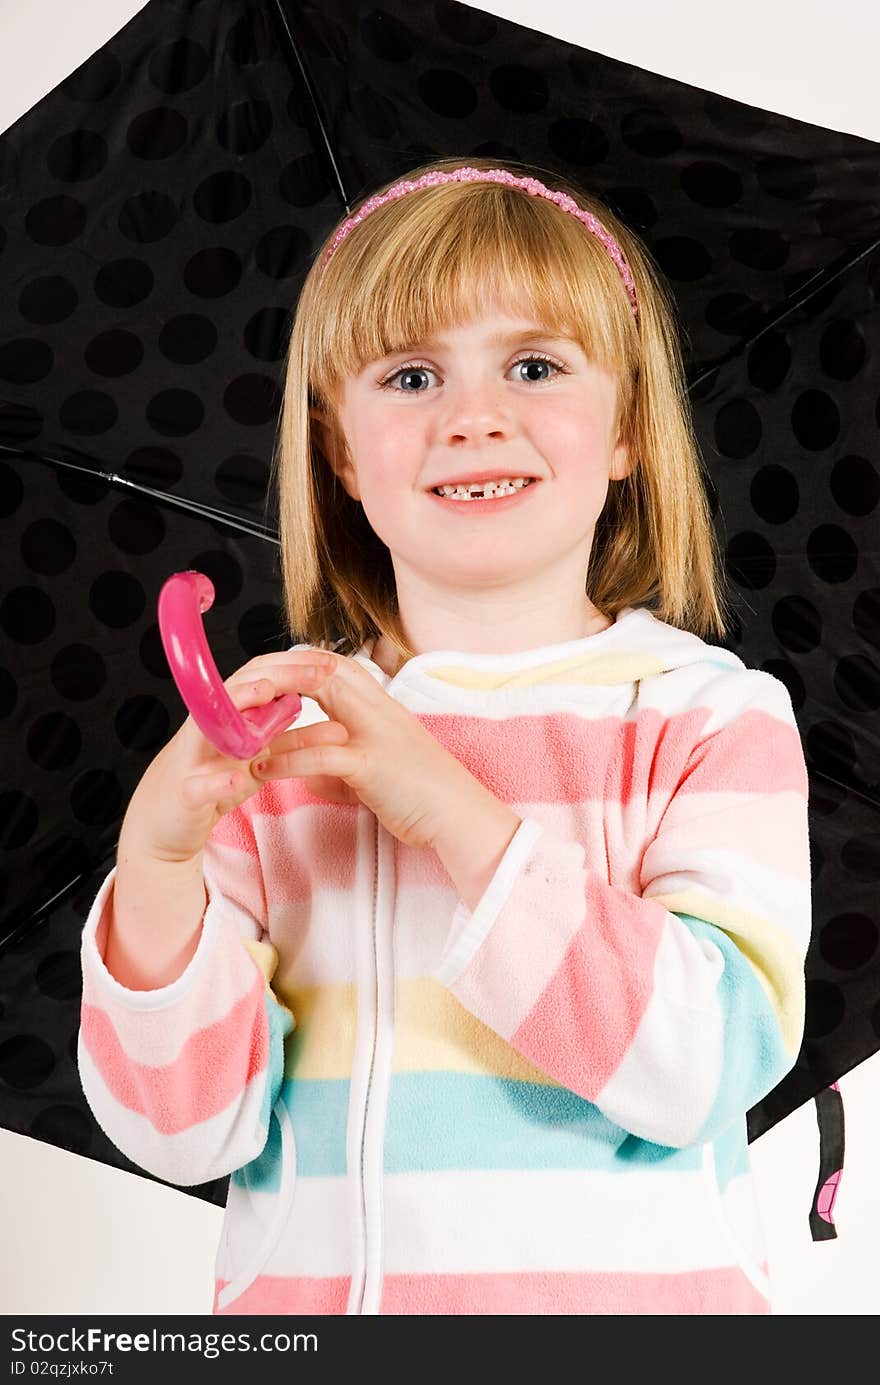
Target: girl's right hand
column 190, row 785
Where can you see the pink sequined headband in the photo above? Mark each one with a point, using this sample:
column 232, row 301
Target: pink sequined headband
column 495, row 175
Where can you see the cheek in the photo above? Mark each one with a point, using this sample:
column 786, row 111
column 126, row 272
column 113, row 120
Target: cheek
column 583, row 425
column 386, row 486
column 573, row 444
column 390, row 459
column 373, row 451
column 383, row 477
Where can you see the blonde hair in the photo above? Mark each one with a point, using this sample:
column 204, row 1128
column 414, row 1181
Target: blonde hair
column 429, row 260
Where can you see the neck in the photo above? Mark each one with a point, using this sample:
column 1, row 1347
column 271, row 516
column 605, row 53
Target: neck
column 384, row 654
column 480, row 606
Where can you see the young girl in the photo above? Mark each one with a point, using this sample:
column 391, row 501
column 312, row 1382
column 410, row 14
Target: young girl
column 471, row 978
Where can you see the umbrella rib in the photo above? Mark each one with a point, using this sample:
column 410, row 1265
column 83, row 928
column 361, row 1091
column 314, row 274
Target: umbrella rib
column 820, row 281
column 868, row 793
column 36, row 916
column 298, row 58
column 205, row 512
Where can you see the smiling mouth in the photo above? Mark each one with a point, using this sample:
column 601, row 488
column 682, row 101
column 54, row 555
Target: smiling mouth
column 454, row 491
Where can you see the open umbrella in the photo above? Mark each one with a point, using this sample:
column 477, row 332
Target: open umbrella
column 158, row 213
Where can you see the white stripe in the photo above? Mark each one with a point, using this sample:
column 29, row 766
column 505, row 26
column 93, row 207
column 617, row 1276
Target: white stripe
column 739, row 879
column 501, row 1220
column 715, row 900
column 665, row 1085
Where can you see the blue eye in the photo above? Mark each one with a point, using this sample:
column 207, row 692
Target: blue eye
column 404, row 370
column 538, row 360
column 413, row 367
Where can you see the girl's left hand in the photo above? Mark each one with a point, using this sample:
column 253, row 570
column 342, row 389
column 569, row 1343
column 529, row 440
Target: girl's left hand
column 373, row 750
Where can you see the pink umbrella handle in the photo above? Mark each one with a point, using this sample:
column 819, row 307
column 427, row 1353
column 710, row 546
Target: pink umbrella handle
column 184, row 598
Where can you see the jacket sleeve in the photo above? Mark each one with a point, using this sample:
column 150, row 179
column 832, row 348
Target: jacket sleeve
column 677, row 1007
column 183, row 1079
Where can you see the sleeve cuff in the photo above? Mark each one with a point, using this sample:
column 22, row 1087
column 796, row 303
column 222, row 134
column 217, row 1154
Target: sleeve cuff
column 469, row 929
column 94, row 941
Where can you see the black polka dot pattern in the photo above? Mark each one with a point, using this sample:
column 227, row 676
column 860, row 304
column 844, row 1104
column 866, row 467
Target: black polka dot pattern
column 158, row 212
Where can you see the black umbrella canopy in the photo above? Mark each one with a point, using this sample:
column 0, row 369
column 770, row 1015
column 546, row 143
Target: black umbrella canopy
column 158, row 213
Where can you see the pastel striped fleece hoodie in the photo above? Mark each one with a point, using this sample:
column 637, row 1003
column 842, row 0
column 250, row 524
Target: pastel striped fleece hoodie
column 538, row 1107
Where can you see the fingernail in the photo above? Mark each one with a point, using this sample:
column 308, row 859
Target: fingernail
column 260, row 766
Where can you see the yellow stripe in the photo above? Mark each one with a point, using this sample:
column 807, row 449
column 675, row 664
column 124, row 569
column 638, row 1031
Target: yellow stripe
column 322, row 1045
column 770, row 953
column 578, row 669
column 437, row 1032
column 266, row 957
column 433, row 1032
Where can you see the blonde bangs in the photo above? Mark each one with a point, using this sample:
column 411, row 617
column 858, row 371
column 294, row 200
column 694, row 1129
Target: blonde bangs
column 421, row 264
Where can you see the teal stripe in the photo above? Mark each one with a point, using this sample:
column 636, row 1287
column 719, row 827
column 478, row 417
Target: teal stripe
column 450, row 1120
column 318, row 1111
column 264, row 1172
column 754, row 1060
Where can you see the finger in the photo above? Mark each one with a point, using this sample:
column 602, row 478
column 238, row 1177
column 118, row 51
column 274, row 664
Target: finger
column 276, row 759
column 262, row 664
column 250, row 692
column 221, row 786
column 274, row 682
column 339, row 685
column 346, row 693
column 340, row 761
column 304, row 737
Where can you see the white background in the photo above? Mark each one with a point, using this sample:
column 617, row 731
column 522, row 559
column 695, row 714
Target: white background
column 81, row 1237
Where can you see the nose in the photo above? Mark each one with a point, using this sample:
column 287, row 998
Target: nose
column 476, row 409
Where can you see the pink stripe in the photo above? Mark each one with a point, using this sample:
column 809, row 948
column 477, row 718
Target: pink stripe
column 562, row 758
column 584, row 1020
column 718, row 1291
column 318, row 852
column 213, row 1068
column 236, row 829
column 301, row 1294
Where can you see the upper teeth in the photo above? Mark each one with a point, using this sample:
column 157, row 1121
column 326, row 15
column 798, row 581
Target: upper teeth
column 486, row 488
